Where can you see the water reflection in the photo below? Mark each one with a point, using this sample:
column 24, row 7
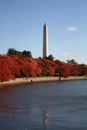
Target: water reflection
column 6, row 89
column 7, row 107
column 46, row 119
column 44, row 106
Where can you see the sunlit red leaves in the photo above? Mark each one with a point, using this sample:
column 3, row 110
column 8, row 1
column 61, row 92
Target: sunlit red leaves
column 5, row 72
column 47, row 66
column 27, row 67
column 12, row 66
column 64, row 70
column 38, row 71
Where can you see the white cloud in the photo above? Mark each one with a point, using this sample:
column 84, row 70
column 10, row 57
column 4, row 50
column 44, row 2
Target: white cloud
column 72, row 28
column 64, row 54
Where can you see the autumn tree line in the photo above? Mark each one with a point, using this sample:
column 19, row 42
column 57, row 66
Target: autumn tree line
column 16, row 64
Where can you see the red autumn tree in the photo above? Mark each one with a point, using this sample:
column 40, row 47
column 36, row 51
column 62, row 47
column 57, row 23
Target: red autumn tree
column 83, row 69
column 74, row 71
column 5, row 72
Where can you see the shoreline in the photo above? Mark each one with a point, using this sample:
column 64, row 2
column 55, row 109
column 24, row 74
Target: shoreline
column 39, row 79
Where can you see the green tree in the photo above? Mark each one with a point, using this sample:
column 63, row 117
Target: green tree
column 12, row 51
column 72, row 62
column 50, row 57
column 27, row 54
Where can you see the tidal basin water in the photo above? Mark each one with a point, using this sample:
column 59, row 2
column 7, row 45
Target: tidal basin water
column 44, row 106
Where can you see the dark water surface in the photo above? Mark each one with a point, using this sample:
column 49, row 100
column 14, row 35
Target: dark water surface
column 44, row 106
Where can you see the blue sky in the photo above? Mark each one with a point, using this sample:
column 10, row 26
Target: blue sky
column 21, row 27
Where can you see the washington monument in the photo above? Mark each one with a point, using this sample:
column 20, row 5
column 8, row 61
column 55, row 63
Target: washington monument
column 45, row 40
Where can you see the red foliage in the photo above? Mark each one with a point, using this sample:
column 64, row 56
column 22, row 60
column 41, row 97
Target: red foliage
column 64, row 70
column 38, row 71
column 83, row 69
column 5, row 65
column 74, row 70
column 27, row 67
column 48, row 67
column 12, row 66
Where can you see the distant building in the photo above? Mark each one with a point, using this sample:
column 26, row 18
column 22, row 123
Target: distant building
column 45, row 41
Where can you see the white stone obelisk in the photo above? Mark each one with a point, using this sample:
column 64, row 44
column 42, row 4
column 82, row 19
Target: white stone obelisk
column 45, row 40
